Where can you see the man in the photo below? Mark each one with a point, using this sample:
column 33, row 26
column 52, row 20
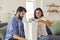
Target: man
column 15, row 28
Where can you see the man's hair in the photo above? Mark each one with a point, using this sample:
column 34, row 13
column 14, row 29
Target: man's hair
column 20, row 9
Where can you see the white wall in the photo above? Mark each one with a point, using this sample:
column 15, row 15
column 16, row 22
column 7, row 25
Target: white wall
column 9, row 7
column 30, row 0
column 43, row 4
column 37, row 3
column 51, row 16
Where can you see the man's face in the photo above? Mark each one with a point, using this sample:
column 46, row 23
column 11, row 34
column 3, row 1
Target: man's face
column 21, row 14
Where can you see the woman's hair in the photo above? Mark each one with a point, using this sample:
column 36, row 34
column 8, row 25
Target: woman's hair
column 40, row 11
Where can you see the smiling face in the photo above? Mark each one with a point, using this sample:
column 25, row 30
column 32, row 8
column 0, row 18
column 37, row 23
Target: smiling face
column 21, row 14
column 38, row 13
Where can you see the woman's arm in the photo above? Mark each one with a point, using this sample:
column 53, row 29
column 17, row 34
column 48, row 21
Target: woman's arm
column 47, row 22
column 54, row 20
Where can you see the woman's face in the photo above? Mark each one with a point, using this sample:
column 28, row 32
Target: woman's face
column 38, row 13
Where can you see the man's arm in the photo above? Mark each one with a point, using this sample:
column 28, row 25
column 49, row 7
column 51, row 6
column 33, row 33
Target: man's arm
column 15, row 35
column 13, row 30
column 18, row 37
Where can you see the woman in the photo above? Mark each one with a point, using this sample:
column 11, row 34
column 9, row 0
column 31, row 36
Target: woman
column 42, row 22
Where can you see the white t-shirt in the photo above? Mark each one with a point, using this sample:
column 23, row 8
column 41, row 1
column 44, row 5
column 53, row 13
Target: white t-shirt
column 41, row 29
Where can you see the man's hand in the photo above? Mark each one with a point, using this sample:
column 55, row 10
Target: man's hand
column 18, row 37
column 22, row 39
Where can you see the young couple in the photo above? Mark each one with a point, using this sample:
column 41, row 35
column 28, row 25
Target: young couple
column 15, row 28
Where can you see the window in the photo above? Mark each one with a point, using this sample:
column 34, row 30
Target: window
column 30, row 9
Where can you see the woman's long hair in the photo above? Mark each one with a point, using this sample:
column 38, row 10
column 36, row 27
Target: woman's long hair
column 40, row 11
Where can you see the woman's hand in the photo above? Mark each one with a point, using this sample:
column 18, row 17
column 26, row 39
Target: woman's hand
column 39, row 20
column 47, row 22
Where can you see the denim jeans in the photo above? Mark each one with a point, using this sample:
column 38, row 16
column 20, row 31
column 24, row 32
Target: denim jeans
column 43, row 38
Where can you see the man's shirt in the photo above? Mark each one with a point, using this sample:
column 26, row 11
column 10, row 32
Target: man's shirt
column 15, row 26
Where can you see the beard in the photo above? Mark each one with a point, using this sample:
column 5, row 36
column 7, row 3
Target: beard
column 20, row 17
